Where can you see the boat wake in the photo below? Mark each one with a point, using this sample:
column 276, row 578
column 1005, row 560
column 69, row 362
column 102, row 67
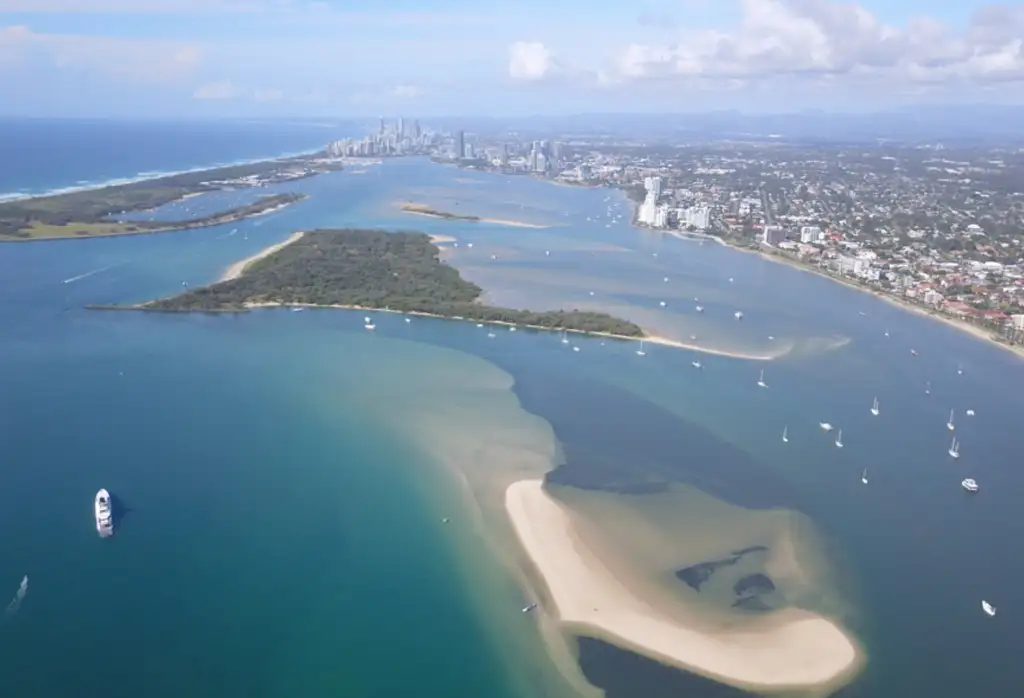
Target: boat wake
column 15, row 603
column 87, row 274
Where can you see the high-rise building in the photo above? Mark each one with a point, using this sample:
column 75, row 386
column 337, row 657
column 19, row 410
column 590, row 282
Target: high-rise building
column 401, row 128
column 773, row 235
column 460, row 145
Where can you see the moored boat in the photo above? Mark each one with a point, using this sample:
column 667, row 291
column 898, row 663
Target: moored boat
column 104, row 514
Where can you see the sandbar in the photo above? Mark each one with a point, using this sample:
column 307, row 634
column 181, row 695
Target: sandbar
column 798, row 650
column 418, row 209
column 238, row 268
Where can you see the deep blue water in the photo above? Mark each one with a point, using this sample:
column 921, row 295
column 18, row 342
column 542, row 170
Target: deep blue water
column 210, row 591
column 41, row 155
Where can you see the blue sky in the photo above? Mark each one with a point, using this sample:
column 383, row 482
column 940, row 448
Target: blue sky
column 450, row 57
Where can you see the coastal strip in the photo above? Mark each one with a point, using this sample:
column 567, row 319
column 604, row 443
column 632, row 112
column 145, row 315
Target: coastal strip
column 238, row 268
column 802, row 651
column 417, row 209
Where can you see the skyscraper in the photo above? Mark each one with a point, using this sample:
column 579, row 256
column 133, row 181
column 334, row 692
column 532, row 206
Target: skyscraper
column 401, row 127
column 460, row 145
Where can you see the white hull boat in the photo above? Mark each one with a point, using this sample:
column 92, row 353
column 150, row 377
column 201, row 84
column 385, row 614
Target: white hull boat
column 104, row 514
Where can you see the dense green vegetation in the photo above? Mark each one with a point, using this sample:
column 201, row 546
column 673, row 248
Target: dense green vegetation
column 92, row 209
column 426, row 211
column 373, row 269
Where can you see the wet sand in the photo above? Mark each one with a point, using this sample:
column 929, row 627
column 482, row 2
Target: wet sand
column 793, row 649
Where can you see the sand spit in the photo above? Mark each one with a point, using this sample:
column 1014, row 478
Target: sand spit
column 238, row 268
column 799, row 651
column 418, row 209
column 441, row 239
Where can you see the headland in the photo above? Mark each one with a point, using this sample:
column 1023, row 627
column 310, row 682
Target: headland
column 793, row 650
column 426, row 210
column 371, row 270
column 96, row 212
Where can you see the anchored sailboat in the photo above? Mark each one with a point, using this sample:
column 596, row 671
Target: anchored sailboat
column 954, row 448
column 785, row 434
column 640, row 351
column 949, row 424
column 864, row 476
column 760, row 381
column 874, row 407
column 839, row 439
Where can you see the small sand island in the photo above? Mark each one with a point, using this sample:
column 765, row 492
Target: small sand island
column 793, row 650
column 96, row 212
column 425, row 210
column 368, row 270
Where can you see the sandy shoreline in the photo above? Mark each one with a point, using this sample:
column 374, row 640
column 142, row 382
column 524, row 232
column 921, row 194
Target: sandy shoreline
column 417, row 209
column 974, row 331
column 802, row 650
column 238, row 268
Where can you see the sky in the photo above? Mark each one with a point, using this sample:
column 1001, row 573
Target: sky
column 341, row 58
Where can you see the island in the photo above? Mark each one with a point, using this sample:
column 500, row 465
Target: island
column 424, row 210
column 370, row 269
column 96, row 212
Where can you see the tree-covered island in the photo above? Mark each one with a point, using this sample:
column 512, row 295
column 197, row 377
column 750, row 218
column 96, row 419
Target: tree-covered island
column 94, row 212
column 372, row 269
column 424, row 210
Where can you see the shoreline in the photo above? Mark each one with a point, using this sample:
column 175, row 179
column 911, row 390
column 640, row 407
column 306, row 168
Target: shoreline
column 195, row 225
column 802, row 651
column 897, row 302
column 236, row 269
column 424, row 210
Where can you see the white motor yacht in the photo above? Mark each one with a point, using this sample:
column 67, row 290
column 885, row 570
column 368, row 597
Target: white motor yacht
column 104, row 514
column 825, row 426
column 988, row 608
column 970, row 484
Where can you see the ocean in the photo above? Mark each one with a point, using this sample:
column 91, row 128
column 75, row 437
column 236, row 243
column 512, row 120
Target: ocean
column 283, row 477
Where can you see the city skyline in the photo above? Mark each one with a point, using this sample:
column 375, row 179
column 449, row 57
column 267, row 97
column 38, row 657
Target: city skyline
column 265, row 58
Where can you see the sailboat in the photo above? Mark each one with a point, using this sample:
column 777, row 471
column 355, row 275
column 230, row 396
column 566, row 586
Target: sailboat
column 928, row 388
column 760, row 381
column 565, row 337
column 887, row 333
column 864, row 476
column 640, row 351
column 949, row 424
column 959, row 369
column 988, row 608
column 785, row 435
column 839, row 439
column 874, row 407
column 954, row 448
column 696, row 364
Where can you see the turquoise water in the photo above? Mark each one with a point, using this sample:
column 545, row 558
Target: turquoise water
column 283, row 535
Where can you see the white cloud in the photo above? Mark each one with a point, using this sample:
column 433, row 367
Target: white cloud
column 225, row 90
column 531, row 61
column 407, row 92
column 815, row 39
column 122, row 59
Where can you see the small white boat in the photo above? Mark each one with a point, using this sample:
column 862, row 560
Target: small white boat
column 928, row 388
column 408, row 319
column 839, row 439
column 864, row 476
column 970, row 484
column 949, row 424
column 913, row 352
column 988, row 608
column 959, row 369
column 367, row 319
column 511, row 329
column 954, row 448
column 825, row 426
column 491, row 335
column 575, row 348
column 479, row 324
column 760, row 381
column 874, row 407
column 297, row 310
column 969, row 413
column 696, row 364
column 370, row 326
column 662, row 304
column 700, row 308
column 665, row 279
column 738, row 315
column 104, row 514
column 887, row 333
column 527, row 609
column 565, row 337
column 785, row 435
column 640, row 351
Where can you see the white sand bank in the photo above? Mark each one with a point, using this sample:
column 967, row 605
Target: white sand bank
column 792, row 650
column 236, row 269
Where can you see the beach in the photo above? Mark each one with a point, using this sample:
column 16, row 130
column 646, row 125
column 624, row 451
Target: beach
column 793, row 649
column 238, row 268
